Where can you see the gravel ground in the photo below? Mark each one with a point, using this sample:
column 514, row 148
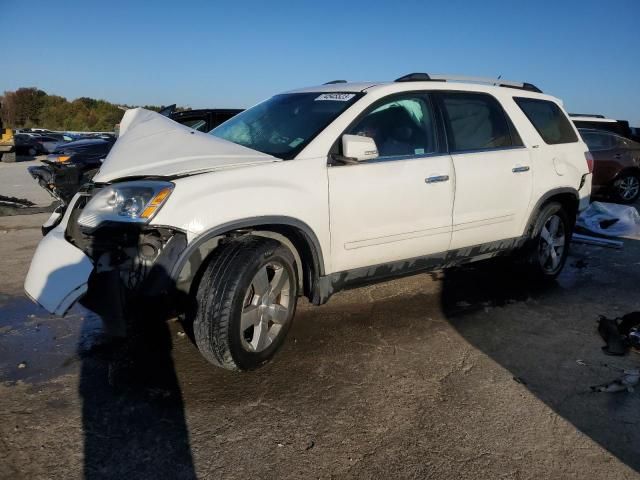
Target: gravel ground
column 15, row 181
column 472, row 373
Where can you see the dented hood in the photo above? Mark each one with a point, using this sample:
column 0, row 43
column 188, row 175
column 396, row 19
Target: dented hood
column 150, row 144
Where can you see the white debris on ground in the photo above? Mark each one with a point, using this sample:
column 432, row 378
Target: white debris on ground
column 611, row 220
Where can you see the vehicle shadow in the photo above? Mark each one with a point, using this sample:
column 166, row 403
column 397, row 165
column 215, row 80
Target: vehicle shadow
column 133, row 416
column 132, row 407
column 546, row 337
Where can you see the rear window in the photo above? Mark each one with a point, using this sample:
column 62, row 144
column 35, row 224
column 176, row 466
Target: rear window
column 476, row 121
column 547, row 118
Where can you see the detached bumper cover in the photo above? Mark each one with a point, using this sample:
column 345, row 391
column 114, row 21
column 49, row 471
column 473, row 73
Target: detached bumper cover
column 58, row 274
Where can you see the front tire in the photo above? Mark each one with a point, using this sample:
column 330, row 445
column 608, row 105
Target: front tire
column 246, row 301
column 548, row 245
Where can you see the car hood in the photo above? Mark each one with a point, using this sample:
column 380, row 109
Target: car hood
column 150, row 144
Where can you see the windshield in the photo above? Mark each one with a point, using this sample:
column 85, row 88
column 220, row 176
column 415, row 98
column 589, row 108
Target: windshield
column 283, row 125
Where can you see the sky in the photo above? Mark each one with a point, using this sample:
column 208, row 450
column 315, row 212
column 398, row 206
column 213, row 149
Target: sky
column 208, row 54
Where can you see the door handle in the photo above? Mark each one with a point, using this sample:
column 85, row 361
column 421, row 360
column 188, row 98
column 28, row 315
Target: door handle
column 618, row 155
column 437, row 178
column 520, row 169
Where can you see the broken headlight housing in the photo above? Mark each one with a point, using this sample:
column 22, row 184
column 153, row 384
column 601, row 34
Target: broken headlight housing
column 129, row 202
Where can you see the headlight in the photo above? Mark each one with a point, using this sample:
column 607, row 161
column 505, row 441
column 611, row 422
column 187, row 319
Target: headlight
column 131, row 202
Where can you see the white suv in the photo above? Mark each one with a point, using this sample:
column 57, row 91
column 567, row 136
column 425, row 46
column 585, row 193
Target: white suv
column 310, row 192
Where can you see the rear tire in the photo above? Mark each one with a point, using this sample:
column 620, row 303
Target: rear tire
column 626, row 189
column 246, row 301
column 548, row 245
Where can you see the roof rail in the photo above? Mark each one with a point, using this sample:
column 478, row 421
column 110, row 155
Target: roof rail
column 335, row 81
column 586, row 115
column 424, row 77
column 414, row 77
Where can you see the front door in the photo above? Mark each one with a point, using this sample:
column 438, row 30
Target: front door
column 399, row 205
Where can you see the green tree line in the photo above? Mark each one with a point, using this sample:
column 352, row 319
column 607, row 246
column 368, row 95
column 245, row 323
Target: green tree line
column 33, row 108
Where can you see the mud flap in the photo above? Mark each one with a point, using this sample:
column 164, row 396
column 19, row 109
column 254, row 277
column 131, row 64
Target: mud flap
column 58, row 273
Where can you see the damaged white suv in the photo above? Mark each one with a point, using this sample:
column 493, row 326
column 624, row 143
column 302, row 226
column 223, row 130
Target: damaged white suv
column 310, row 192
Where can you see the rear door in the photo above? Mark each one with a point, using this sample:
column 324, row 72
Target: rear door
column 397, row 206
column 492, row 169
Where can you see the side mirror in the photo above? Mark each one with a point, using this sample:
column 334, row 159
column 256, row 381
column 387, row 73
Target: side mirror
column 359, row 148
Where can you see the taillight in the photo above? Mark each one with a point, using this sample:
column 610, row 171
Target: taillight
column 589, row 158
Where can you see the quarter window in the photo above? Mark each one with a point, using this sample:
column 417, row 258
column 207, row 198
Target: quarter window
column 476, row 121
column 547, row 118
column 403, row 126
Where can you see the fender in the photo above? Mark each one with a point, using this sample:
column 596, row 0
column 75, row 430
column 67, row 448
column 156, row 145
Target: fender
column 275, row 220
column 544, row 198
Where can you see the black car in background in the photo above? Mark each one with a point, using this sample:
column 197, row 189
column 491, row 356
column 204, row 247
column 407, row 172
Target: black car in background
column 27, row 145
column 70, row 165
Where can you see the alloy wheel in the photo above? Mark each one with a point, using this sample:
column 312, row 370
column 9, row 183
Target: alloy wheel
column 266, row 308
column 552, row 244
column 628, row 187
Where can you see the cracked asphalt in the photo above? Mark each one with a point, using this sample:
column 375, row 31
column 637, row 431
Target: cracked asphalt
column 469, row 373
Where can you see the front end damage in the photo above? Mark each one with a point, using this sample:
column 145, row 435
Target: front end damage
column 109, row 269
column 117, row 259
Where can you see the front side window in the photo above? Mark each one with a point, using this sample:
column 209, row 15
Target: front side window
column 476, row 121
column 402, row 126
column 283, row 125
column 551, row 123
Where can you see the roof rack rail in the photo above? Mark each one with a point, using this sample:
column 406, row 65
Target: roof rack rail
column 414, row 77
column 586, row 115
column 425, row 77
column 335, row 81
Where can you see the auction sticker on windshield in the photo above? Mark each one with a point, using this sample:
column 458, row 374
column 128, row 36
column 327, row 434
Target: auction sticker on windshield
column 336, row 97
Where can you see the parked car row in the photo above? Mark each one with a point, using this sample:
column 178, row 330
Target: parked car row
column 38, row 143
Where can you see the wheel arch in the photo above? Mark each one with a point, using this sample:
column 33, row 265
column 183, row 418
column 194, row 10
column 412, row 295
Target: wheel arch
column 630, row 169
column 293, row 233
column 569, row 198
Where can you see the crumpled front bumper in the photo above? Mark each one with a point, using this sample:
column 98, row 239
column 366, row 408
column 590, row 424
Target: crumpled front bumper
column 58, row 274
column 109, row 267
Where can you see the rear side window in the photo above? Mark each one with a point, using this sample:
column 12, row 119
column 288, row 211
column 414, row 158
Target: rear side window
column 476, row 121
column 547, row 118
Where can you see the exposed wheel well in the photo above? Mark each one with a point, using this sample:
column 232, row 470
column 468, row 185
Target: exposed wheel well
column 568, row 201
column 308, row 260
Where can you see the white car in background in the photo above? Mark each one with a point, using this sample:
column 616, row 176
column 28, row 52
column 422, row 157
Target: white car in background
column 310, row 192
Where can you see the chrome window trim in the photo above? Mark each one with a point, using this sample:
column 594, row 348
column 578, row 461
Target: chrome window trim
column 396, row 158
column 483, row 150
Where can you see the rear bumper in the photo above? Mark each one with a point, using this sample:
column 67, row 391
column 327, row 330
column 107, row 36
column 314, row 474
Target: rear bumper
column 585, row 192
column 59, row 273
